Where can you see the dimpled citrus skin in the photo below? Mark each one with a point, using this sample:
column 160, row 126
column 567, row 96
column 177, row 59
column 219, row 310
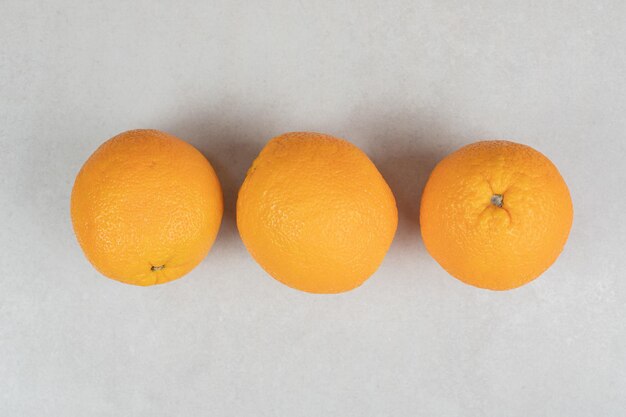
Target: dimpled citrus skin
column 477, row 241
column 146, row 207
column 315, row 213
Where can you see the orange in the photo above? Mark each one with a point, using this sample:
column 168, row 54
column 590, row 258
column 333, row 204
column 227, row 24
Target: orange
column 146, row 207
column 495, row 214
column 315, row 213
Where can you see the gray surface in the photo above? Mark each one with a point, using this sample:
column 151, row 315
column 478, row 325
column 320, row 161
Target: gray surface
column 408, row 83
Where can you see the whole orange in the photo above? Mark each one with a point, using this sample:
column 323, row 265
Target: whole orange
column 315, row 213
column 495, row 214
column 146, row 207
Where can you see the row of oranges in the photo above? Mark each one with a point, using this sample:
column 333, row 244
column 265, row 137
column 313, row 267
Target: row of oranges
column 315, row 212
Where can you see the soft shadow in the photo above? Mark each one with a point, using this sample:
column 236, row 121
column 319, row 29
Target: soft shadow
column 406, row 147
column 230, row 140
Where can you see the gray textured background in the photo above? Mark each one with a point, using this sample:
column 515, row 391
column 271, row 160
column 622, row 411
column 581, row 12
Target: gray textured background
column 408, row 82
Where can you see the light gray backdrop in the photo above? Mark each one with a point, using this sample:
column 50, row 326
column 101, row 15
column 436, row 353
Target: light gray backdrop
column 407, row 81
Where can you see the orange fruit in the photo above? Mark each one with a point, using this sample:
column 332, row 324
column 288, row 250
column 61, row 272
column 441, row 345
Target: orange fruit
column 315, row 213
column 146, row 207
column 495, row 214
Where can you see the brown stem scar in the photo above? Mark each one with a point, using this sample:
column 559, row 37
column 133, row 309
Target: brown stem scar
column 157, row 268
column 497, row 200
